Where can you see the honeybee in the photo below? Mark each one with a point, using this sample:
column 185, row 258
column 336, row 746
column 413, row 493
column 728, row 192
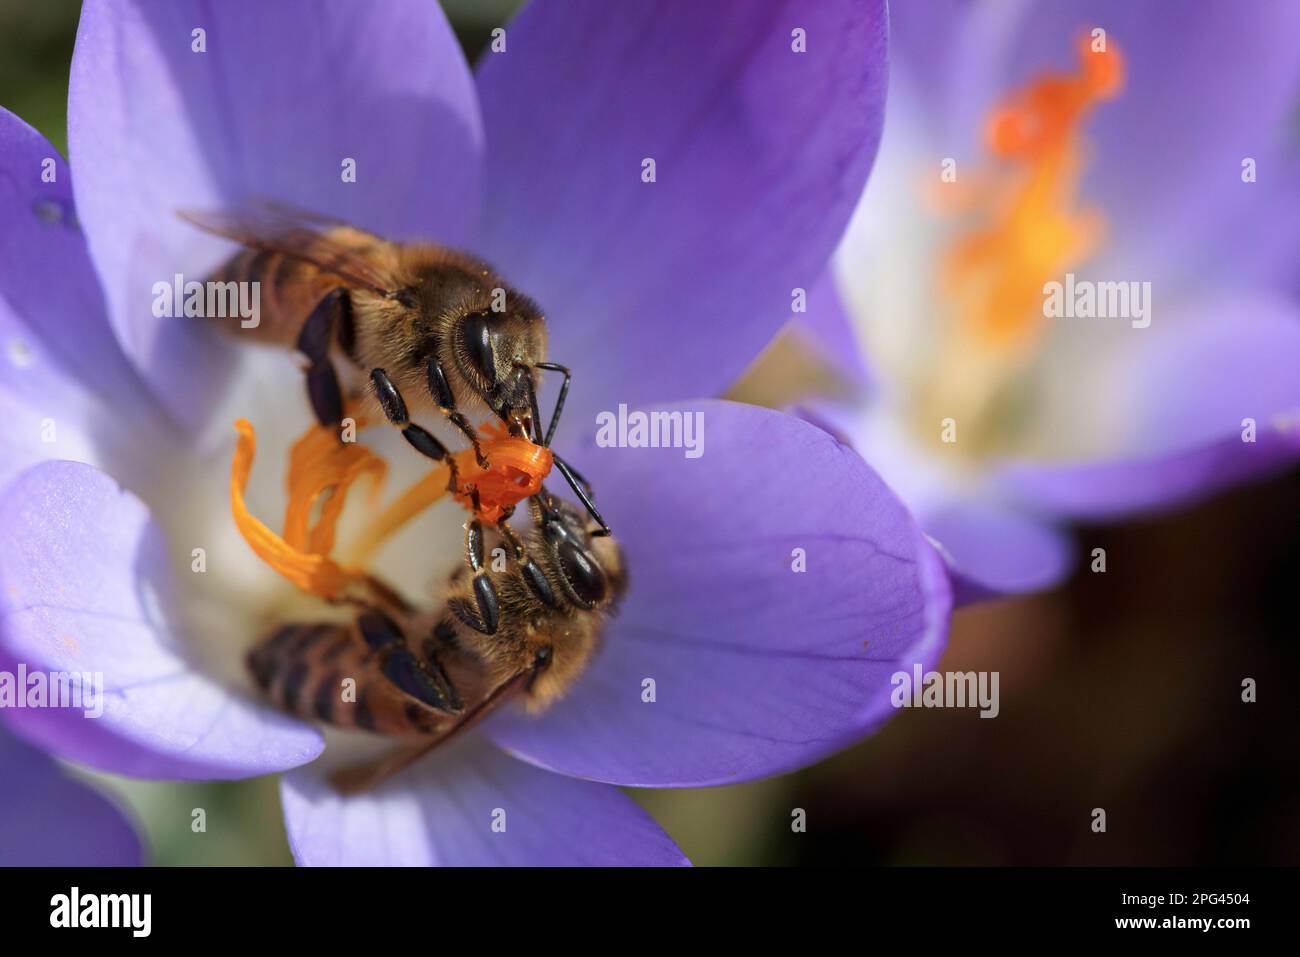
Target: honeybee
column 412, row 326
column 426, row 676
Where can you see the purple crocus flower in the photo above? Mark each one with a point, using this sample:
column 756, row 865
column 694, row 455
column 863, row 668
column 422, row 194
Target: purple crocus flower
column 1190, row 178
column 47, row 819
column 659, row 291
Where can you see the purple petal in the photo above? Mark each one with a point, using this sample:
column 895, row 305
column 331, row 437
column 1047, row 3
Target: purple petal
column 1205, row 92
column 442, row 812
column 990, row 548
column 47, row 819
column 86, row 586
column 1188, row 383
column 1194, row 377
column 47, row 412
column 993, row 551
column 828, row 331
column 284, row 93
column 58, row 358
column 46, row 279
column 1108, row 490
column 669, row 289
column 1204, row 89
column 926, row 46
column 757, row 668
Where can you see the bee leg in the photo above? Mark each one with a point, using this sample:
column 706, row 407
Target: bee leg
column 314, row 343
column 532, row 572
column 446, row 399
column 582, row 488
column 582, row 480
column 487, row 615
column 378, row 630
column 362, row 777
column 394, row 406
column 423, row 680
column 323, row 390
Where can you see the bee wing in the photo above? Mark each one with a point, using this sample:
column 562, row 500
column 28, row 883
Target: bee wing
column 327, row 244
column 363, row 777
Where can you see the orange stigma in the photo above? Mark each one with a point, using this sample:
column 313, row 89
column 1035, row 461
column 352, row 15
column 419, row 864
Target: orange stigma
column 1031, row 230
column 1022, row 227
column 516, row 468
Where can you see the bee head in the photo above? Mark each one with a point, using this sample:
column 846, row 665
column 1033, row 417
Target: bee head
column 589, row 568
column 499, row 350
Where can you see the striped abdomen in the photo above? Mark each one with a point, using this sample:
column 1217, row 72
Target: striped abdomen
column 357, row 674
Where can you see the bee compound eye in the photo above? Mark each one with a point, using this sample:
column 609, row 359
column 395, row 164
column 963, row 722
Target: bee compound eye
column 477, row 334
column 585, row 577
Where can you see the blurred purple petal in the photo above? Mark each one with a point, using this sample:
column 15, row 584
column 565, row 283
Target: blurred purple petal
column 86, row 585
column 284, row 93
column 48, row 819
column 1188, row 383
column 1218, row 85
column 993, row 551
column 929, row 45
column 758, row 668
column 760, row 152
column 1211, row 86
column 828, row 331
column 442, row 812
column 1194, row 377
column 1114, row 489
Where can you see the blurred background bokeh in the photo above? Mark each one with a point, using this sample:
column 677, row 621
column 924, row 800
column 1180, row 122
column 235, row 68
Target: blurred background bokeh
column 1119, row 690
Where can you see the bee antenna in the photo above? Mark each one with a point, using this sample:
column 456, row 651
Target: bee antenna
column 583, row 491
column 559, row 401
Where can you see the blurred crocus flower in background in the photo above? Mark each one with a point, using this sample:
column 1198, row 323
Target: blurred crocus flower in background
column 1131, row 154
column 121, row 556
